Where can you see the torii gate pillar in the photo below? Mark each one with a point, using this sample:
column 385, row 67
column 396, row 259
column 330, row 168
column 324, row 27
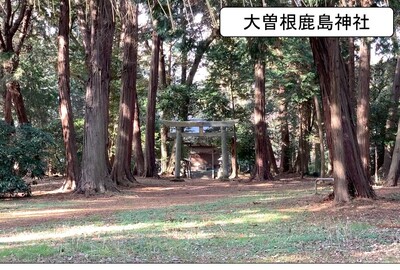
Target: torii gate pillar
column 178, row 154
column 224, row 152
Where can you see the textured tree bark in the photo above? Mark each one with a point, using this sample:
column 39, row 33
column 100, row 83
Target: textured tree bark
column 235, row 169
column 271, row 155
column 7, row 107
column 164, row 129
column 233, row 140
column 339, row 162
column 262, row 166
column 304, row 146
column 394, row 172
column 359, row 184
column 164, row 149
column 13, row 87
column 108, row 26
column 352, row 80
column 171, row 162
column 121, row 172
column 137, row 140
column 95, row 171
column 363, row 106
column 391, row 120
column 66, row 114
column 320, row 136
column 150, row 157
column 284, row 130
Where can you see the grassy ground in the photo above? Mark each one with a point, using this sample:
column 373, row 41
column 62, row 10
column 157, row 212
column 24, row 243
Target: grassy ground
column 261, row 224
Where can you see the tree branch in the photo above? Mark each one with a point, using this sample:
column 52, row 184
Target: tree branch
column 201, row 49
column 21, row 16
column 2, row 44
column 25, row 26
column 15, row 11
column 84, row 29
column 6, row 26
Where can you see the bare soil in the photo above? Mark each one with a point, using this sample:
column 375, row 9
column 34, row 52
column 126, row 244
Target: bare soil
column 163, row 192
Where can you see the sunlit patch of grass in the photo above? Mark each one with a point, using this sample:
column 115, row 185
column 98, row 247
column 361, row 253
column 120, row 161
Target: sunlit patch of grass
column 248, row 228
column 27, row 253
column 8, row 206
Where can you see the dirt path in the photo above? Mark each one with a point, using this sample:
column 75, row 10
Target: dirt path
column 48, row 206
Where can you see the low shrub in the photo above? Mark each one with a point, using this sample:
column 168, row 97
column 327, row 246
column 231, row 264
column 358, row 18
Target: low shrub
column 23, row 151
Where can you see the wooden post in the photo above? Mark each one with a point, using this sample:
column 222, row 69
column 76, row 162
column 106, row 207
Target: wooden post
column 178, row 153
column 224, row 153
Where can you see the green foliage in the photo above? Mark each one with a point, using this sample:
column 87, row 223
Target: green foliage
column 22, row 151
column 174, row 101
column 381, row 88
column 56, row 151
column 211, row 104
column 37, row 75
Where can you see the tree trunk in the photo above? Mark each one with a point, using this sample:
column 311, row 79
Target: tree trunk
column 391, row 120
column 234, row 157
column 320, row 136
column 171, row 161
column 150, row 161
column 352, row 80
column 66, row 114
column 95, row 172
column 137, row 139
column 184, row 49
column 284, row 130
column 7, row 107
column 121, row 172
column 189, row 78
column 14, row 88
column 164, row 129
column 262, row 168
column 359, row 184
column 235, row 169
column 271, row 155
column 164, row 149
column 13, row 95
column 304, row 146
column 339, row 163
column 394, row 172
column 363, row 106
column 14, row 21
column 108, row 39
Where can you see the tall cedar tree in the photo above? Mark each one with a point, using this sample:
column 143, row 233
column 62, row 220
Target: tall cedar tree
column 164, row 129
column 95, row 164
column 391, row 119
column 339, row 162
column 320, row 137
column 262, row 166
column 284, row 130
column 16, row 20
column 394, row 172
column 121, row 170
column 66, row 114
column 150, row 156
column 324, row 51
column 363, row 105
column 137, row 139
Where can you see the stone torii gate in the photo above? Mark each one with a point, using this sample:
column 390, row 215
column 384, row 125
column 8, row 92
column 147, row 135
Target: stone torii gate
column 178, row 135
